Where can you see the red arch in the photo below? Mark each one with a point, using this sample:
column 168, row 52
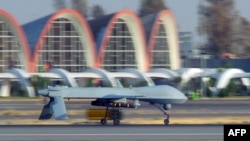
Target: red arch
column 109, row 31
column 22, row 37
column 47, row 27
column 155, row 30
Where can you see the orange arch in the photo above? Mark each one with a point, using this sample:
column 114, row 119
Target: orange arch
column 47, row 27
column 22, row 37
column 155, row 30
column 109, row 32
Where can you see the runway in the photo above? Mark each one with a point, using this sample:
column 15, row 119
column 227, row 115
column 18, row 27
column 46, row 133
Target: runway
column 29, row 110
column 123, row 132
column 190, row 109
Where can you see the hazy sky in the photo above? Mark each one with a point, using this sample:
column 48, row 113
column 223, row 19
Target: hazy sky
column 185, row 11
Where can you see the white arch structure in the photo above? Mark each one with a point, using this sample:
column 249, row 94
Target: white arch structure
column 139, row 43
column 134, row 26
column 83, row 30
column 87, row 49
column 162, row 73
column 103, row 74
column 139, row 75
column 13, row 43
column 188, row 73
column 225, row 77
column 23, row 77
column 167, row 19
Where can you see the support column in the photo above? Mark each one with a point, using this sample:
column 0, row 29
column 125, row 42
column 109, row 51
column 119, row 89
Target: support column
column 5, row 88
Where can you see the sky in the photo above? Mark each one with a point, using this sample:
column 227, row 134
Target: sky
column 185, row 11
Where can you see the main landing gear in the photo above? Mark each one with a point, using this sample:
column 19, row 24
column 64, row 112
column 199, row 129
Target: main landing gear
column 166, row 121
column 114, row 115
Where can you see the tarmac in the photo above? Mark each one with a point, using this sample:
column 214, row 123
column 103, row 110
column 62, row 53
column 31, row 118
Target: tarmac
column 18, row 111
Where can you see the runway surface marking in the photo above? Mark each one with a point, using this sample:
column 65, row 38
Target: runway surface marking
column 55, row 133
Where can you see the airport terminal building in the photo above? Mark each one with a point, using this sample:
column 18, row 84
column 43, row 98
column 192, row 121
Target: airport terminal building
column 67, row 46
column 69, row 41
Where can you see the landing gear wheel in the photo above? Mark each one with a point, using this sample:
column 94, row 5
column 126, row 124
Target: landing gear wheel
column 116, row 121
column 103, row 121
column 166, row 121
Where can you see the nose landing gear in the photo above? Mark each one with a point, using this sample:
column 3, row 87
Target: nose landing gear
column 166, row 121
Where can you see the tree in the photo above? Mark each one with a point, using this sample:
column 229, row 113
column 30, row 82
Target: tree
column 81, row 6
column 241, row 44
column 97, row 11
column 216, row 23
column 59, row 4
column 151, row 6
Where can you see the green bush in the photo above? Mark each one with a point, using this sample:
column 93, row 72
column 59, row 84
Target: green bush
column 39, row 82
column 223, row 92
column 231, row 90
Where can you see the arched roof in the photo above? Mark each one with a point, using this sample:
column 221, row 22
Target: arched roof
column 188, row 73
column 164, row 73
column 81, row 25
column 139, row 74
column 134, row 25
column 65, row 75
column 104, row 75
column 23, row 80
column 225, row 77
column 19, row 33
column 171, row 28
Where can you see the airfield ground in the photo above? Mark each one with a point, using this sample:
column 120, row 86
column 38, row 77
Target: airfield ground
column 209, row 111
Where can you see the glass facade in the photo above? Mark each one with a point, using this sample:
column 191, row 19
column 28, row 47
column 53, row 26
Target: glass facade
column 160, row 53
column 62, row 47
column 10, row 54
column 120, row 50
